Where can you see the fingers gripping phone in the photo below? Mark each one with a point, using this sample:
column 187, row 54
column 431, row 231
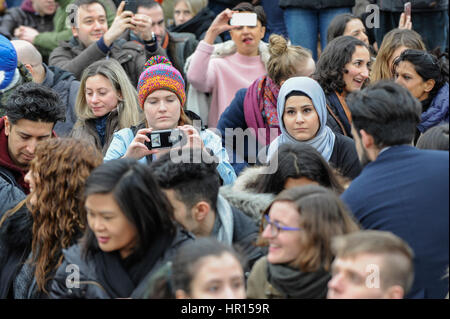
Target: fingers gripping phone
column 408, row 9
column 164, row 138
column 244, row 19
column 130, row 5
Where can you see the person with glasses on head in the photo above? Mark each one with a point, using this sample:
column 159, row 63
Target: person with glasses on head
column 298, row 228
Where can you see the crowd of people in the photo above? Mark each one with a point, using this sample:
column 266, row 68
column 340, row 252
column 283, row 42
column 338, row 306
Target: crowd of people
column 155, row 149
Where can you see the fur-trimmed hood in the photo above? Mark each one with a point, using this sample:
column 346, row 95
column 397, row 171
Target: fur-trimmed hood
column 199, row 102
column 244, row 197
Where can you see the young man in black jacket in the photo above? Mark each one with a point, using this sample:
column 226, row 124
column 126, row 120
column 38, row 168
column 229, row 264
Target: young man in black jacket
column 192, row 187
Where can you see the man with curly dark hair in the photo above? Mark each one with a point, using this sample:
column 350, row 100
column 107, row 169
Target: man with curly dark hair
column 31, row 113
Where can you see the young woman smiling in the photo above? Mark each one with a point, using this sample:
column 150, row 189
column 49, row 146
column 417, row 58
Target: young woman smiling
column 342, row 68
column 298, row 227
column 131, row 233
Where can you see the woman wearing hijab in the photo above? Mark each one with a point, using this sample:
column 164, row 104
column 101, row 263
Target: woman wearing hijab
column 302, row 114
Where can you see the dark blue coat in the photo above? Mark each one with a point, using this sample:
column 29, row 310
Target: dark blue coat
column 405, row 191
column 233, row 117
column 437, row 113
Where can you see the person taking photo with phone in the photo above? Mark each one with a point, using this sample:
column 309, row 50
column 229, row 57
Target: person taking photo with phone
column 93, row 41
column 162, row 96
column 223, row 69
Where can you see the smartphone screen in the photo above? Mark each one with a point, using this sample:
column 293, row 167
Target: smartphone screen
column 163, row 138
column 408, row 8
column 244, row 19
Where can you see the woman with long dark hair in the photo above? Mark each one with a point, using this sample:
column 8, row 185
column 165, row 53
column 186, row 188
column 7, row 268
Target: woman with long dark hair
column 130, row 234
column 426, row 77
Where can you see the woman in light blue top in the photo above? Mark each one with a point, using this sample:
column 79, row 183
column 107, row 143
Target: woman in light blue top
column 302, row 114
column 162, row 97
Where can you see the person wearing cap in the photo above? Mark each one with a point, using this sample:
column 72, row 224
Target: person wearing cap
column 161, row 91
column 12, row 72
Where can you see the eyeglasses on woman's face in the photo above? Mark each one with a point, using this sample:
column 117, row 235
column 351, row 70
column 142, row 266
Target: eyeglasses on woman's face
column 275, row 228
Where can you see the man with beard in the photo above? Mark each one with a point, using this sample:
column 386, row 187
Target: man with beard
column 401, row 189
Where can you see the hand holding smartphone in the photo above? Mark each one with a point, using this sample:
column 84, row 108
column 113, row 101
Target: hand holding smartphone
column 244, row 19
column 164, row 138
column 407, row 9
column 130, row 5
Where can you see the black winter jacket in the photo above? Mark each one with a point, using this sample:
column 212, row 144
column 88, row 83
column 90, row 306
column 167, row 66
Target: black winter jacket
column 16, row 17
column 65, row 84
column 88, row 286
column 316, row 4
column 245, row 235
column 15, row 245
column 416, row 5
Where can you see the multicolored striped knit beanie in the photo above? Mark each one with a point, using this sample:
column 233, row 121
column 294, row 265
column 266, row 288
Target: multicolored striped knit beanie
column 159, row 74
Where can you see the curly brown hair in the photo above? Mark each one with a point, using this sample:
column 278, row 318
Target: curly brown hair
column 60, row 168
column 331, row 64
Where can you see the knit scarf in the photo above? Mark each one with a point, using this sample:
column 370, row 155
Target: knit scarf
column 260, row 107
column 435, row 111
column 295, row 284
column 225, row 214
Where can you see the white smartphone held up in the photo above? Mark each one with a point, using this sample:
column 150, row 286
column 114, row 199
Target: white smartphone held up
column 244, row 19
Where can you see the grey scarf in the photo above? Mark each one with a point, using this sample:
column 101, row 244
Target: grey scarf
column 225, row 214
column 295, row 284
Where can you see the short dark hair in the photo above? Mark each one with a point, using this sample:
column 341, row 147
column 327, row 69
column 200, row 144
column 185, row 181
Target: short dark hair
column 295, row 161
column 387, row 111
column 330, row 67
column 186, row 261
column 138, row 195
column 435, row 138
column 337, row 25
column 34, row 102
column 191, row 180
column 248, row 7
column 428, row 66
column 148, row 4
column 78, row 4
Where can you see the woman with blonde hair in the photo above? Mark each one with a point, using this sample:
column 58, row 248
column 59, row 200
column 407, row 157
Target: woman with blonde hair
column 106, row 103
column 193, row 16
column 394, row 43
column 52, row 217
column 256, row 107
column 162, row 98
column 298, row 228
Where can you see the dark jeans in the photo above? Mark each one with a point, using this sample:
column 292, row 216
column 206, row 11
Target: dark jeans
column 217, row 8
column 304, row 25
column 275, row 19
column 432, row 26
